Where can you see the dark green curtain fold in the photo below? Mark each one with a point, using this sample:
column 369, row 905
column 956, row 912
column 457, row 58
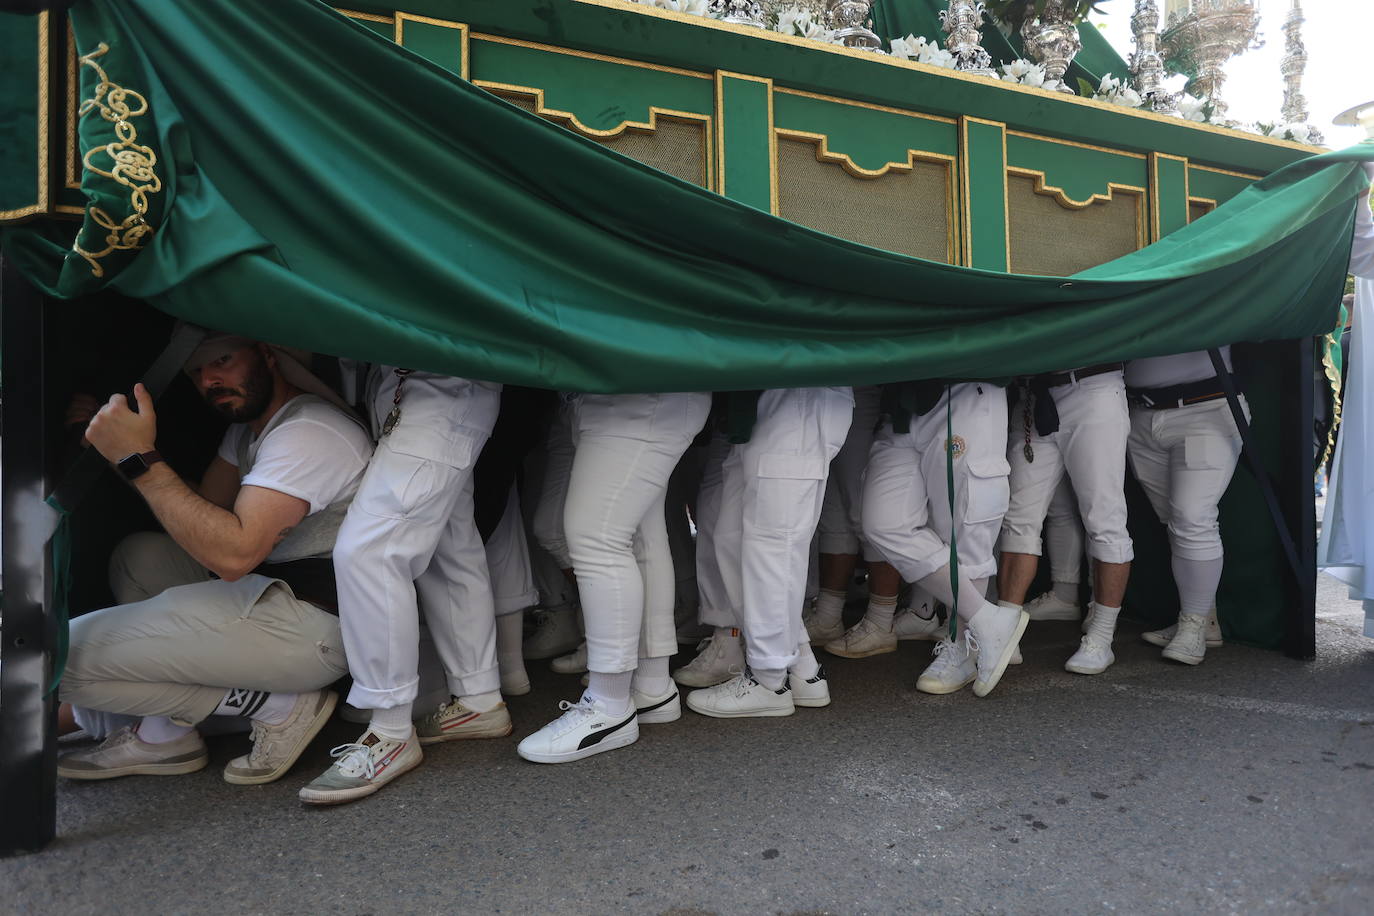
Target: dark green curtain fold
column 348, row 196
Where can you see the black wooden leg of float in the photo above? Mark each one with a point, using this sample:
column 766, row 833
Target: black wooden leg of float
column 1299, row 506
column 28, row 740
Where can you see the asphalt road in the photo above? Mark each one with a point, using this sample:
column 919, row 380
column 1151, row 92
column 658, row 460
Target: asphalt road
column 1245, row 784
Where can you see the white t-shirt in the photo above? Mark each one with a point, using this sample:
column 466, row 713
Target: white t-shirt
column 318, row 455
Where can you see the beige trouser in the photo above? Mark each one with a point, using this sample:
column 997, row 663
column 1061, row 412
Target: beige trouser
column 182, row 638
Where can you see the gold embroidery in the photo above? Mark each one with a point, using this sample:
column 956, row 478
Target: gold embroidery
column 1330, row 344
column 132, row 164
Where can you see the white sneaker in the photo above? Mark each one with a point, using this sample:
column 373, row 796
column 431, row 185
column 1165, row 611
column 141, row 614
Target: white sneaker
column 574, row 662
column 994, row 632
column 741, row 696
column 1050, row 606
column 124, row 753
column 277, row 747
column 863, row 639
column 453, row 721
column 362, row 768
column 813, row 692
column 953, row 667
column 821, row 631
column 555, row 633
column 1163, row 637
column 1189, row 644
column 584, row 729
column 1094, row 653
column 908, row 624
column 653, row 710
column 716, row 661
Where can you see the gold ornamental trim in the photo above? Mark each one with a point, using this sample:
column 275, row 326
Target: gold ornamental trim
column 132, row 164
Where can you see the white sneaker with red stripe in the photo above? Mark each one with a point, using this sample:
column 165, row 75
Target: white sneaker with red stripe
column 453, row 722
column 363, row 767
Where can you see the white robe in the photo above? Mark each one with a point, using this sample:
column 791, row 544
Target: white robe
column 1346, row 549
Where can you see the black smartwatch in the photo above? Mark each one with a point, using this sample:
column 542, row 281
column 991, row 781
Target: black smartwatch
column 137, row 464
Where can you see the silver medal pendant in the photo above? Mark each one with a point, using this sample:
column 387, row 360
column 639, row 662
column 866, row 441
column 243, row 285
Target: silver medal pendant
column 1028, row 452
column 391, row 420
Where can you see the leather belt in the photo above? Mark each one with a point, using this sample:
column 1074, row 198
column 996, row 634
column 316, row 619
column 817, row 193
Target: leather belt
column 1055, row 379
column 1175, row 396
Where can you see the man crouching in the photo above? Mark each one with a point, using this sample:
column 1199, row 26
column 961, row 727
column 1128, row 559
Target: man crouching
column 232, row 611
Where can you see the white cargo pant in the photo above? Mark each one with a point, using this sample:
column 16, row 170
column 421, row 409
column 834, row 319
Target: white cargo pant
column 840, row 530
column 771, row 495
column 409, row 532
column 626, row 448
column 1064, row 535
column 1090, row 447
column 1184, row 458
column 715, row 607
column 906, row 508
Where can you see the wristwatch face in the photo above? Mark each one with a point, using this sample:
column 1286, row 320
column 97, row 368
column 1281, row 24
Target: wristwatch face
column 132, row 466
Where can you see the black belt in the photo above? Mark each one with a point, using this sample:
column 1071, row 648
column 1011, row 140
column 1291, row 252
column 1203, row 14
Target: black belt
column 1172, row 396
column 1055, row 379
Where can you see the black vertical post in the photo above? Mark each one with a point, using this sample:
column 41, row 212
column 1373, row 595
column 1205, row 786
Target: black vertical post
column 1297, row 498
column 28, row 635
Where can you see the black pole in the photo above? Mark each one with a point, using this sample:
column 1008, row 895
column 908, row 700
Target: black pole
column 1299, row 504
column 28, row 635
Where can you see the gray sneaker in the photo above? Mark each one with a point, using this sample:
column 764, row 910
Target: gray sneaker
column 126, row 754
column 363, row 767
column 277, row 747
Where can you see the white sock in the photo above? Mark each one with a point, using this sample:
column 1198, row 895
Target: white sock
column 651, row 677
column 1066, row 592
column 1104, row 620
column 830, row 606
column 509, row 642
column 481, row 702
column 880, row 611
column 613, row 690
column 393, row 723
column 1197, row 584
column 160, row 730
column 806, row 666
column 772, row 678
column 971, row 600
column 986, row 587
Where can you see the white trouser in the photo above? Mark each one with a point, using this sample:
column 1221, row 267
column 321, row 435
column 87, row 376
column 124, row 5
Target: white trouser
column 555, row 589
column 1184, row 458
column 410, row 530
column 715, row 607
column 508, row 561
column 1090, row 447
column 906, row 497
column 771, row 495
column 547, row 524
column 626, row 448
column 1064, row 535
column 841, row 526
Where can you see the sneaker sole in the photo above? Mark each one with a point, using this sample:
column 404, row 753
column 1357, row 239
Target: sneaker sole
column 824, row 638
column 461, row 734
column 327, row 797
column 321, row 717
column 941, row 688
column 848, row 653
column 772, row 712
column 1161, row 641
column 1182, row 658
column 1070, row 667
column 180, row 768
column 624, row 739
column 811, row 702
column 986, row 687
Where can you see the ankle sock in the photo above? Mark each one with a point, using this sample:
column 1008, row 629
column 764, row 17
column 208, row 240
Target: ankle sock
column 772, row 678
column 160, row 730
column 1104, row 620
column 830, row 606
column 806, row 666
column 880, row 611
column 481, row 702
column 393, row 723
column 1066, row 592
column 239, row 701
column 613, row 690
column 651, row 677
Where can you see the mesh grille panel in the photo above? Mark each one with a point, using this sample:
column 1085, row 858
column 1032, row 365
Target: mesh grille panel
column 1047, row 238
column 904, row 212
column 676, row 147
column 1197, row 211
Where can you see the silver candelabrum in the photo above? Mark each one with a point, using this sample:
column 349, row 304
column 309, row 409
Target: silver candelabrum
column 963, row 23
column 1293, row 65
column 1052, row 41
column 739, row 12
column 1147, row 64
column 1201, row 35
column 851, row 20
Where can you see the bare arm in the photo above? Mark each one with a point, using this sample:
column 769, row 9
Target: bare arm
column 220, row 483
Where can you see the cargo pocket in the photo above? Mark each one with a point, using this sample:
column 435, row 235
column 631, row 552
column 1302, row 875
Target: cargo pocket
column 788, row 489
column 454, row 448
column 987, row 490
